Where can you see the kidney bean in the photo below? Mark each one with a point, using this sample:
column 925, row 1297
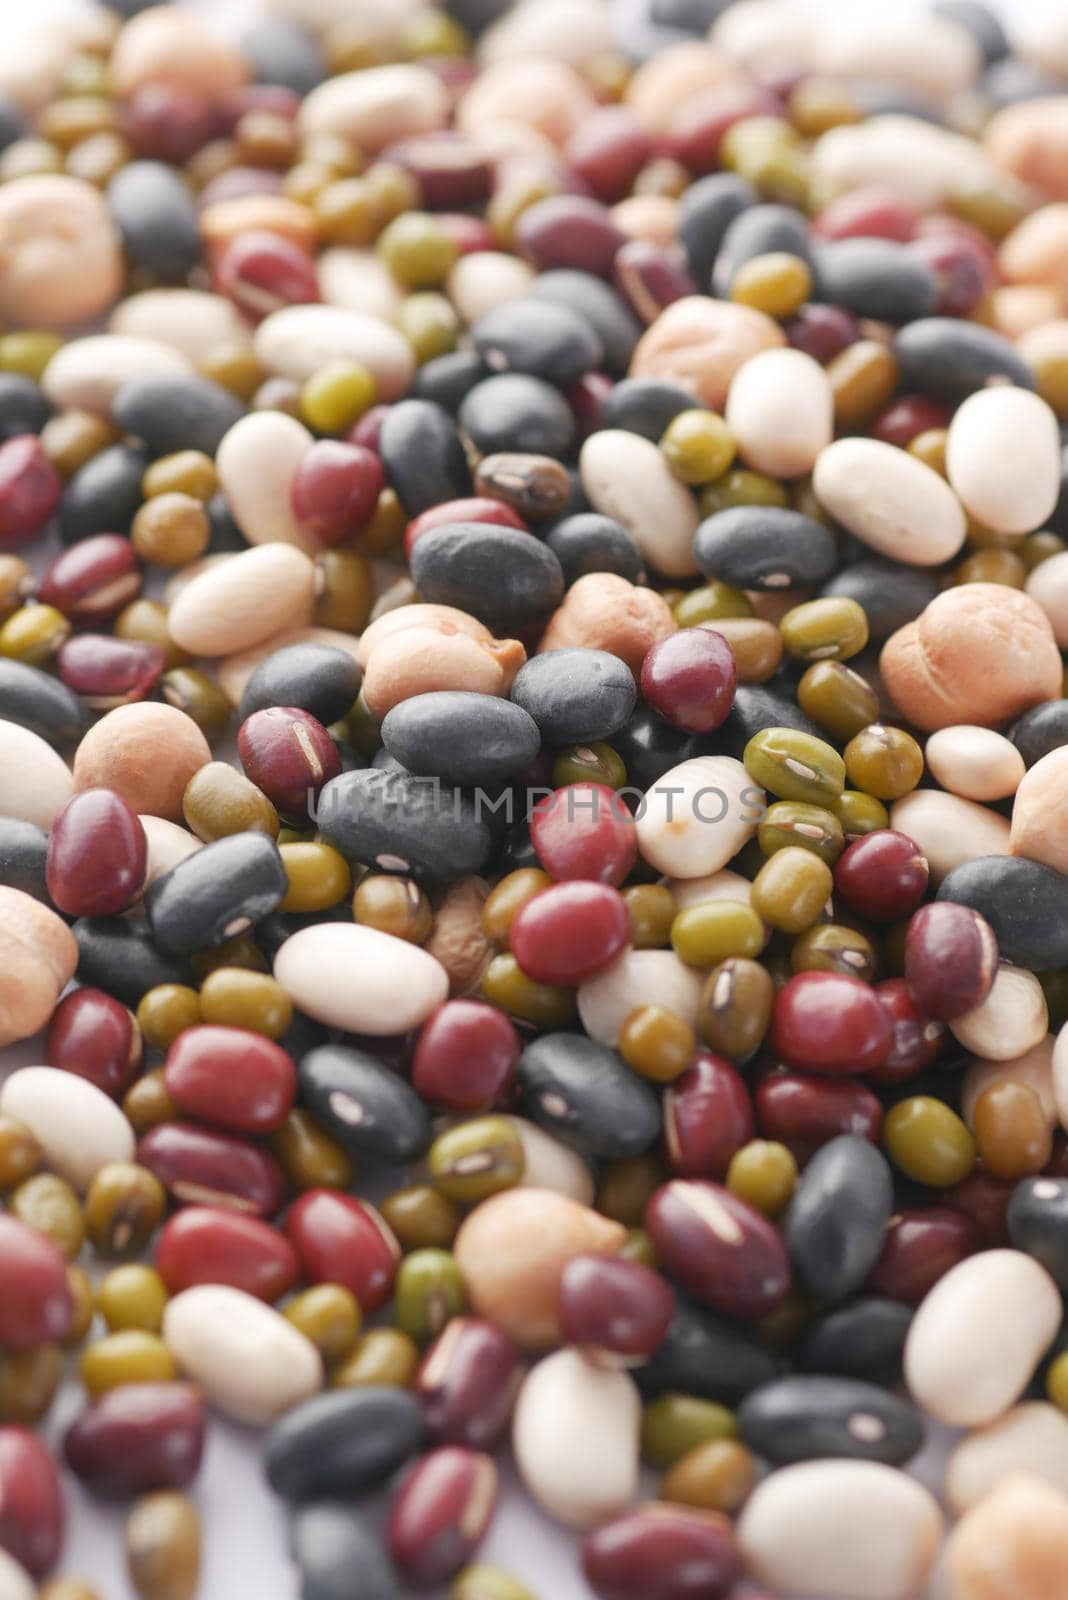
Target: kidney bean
column 951, row 960
column 822, row 332
column 109, row 672
column 232, row 1077
column 617, row 1312
column 36, row 1306
column 907, row 417
column 607, row 151
column 804, row 1113
column 708, row 1116
column 97, row 855
column 289, row 755
column 137, row 1437
column 343, row 1240
column 570, row 932
column 718, row 1248
column 985, row 1200
column 32, row 1512
column 584, row 831
column 451, row 171
column 920, row 1248
column 866, row 213
column 30, row 489
column 93, row 1035
column 205, row 1244
column 690, row 679
column 824, row 1022
column 963, row 273
column 917, row 1041
column 263, row 272
column 650, row 278
column 662, row 1552
column 335, row 489
column 466, row 1057
column 441, row 1514
column 198, row 1166
column 467, row 1384
column 883, row 876
column 93, row 580
column 570, row 231
column 697, row 128
column 342, row 1444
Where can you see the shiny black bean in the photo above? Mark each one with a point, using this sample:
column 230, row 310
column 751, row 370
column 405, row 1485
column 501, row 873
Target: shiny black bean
column 693, row 16
column 982, row 23
column 120, row 956
column 648, row 747
column 764, row 547
column 591, row 542
column 575, row 696
column 706, row 211
column 178, row 412
column 1040, row 730
column 836, row 1225
column 1025, row 902
column 876, row 278
column 645, row 406
column 12, row 123
column 216, row 893
column 331, row 1544
column 463, row 737
column 581, row 1091
column 1038, row 1224
column 398, row 823
column 447, row 379
column 708, row 1356
column 368, row 1108
column 950, row 358
column 315, row 677
column 343, row 1443
column 535, row 335
column 157, row 217
column 501, row 576
column 865, row 1339
column 891, row 594
column 422, row 454
column 104, row 496
column 758, row 706
column 36, row 700
column 226, row 537
column 803, row 1418
column 597, row 303
column 23, row 408
column 23, row 848
column 516, row 412
column 282, row 52
column 759, row 231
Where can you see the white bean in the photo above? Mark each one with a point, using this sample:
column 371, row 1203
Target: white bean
column 575, row 1438
column 891, row 501
column 359, row 979
column 250, row 1361
column 1003, row 458
column 79, row 1128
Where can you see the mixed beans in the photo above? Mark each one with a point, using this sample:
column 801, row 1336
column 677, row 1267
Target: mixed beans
column 534, row 790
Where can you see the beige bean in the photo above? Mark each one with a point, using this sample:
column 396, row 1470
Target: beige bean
column 86, row 374
column 379, row 24
column 376, row 107
column 922, row 163
column 299, row 341
column 699, row 815
column 60, row 253
column 654, row 217
column 252, row 595
column 442, row 619
column 780, row 409
column 15, row 1581
column 575, row 31
column 1035, row 250
column 974, row 763
column 79, row 1128
column 35, row 782
column 628, row 478
column 1017, row 309
column 929, row 55
column 602, row 611
column 147, row 753
column 190, row 321
column 638, row 978
column 575, row 1438
column 1029, row 140
column 226, row 220
column 949, row 830
column 38, row 958
column 356, row 978
column 456, row 938
column 1034, row 1070
column 891, row 501
column 251, row 1362
column 671, row 77
column 256, row 461
column 548, row 1163
column 168, row 844
column 177, row 47
column 770, row 38
column 512, row 1250
column 1011, row 1020
column 1047, row 585
column 721, row 885
column 1031, row 1438
column 701, row 343
column 1003, row 458
column 544, row 94
column 481, row 282
column 1040, row 812
column 358, row 280
column 418, row 660
column 1011, row 1545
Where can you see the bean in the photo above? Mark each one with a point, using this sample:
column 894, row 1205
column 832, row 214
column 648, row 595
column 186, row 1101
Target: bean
column 120, row 956
column 344, row 1443
column 951, row 359
column 163, row 1547
column 441, row 1514
column 157, row 218
column 216, row 893
column 31, row 1524
column 865, row 1339
column 764, row 547
column 628, row 479
column 1022, row 902
column 199, row 1166
column 908, row 513
column 242, row 602
column 575, row 1439
column 330, row 1543
column 104, row 493
column 838, row 1217
column 33, row 700
column 319, row 679
column 37, row 1307
column 78, row 1128
column 661, row 1551
column 249, row 1361
column 467, row 1384
column 463, row 737
column 137, row 1437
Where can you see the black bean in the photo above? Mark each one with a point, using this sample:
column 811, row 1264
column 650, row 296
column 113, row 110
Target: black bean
column 157, row 217
column 477, row 15
column 216, row 893
column 804, row 1418
column 982, row 23
column 226, row 537
column 1038, row 1223
column 1010, row 81
column 516, row 412
column 316, row 677
column 368, row 1108
column 463, row 737
column 36, row 700
column 446, row 379
column 949, row 358
column 505, row 578
column 179, row 412
column 422, row 455
column 645, row 406
column 759, row 231
column 104, row 496
column 581, row 1091
column 398, row 823
column 331, row 1543
column 706, row 211
column 282, row 52
column 1040, row 730
column 692, row 16
column 865, row 1339
column 708, row 1356
column 764, row 547
column 611, row 319
column 758, row 706
column 891, row 594
column 876, row 278
column 536, row 336
column 891, row 100
column 120, row 956
column 836, row 1225
column 12, row 123
column 1025, row 902
column 648, row 747
column 23, row 407
column 23, row 849
column 575, row 696
column 343, row 1443
column 591, row 542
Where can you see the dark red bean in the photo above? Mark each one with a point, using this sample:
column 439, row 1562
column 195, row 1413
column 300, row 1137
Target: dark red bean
column 917, row 1042
column 822, row 332
column 232, row 1077
column 825, row 1022
column 650, row 278
column 866, row 213
column 138, row 1437
column 469, row 234
column 200, row 1167
column 708, row 1115
column 289, row 755
column 95, row 1037
column 607, row 151
column 696, row 131
column 30, row 489
column 584, row 831
column 984, row 1199
column 35, row 1301
column 718, row 1248
column 962, row 272
column 690, row 678
column 167, row 122
column 205, row 1244
column 920, row 1248
column 97, row 855
column 335, row 490
column 343, row 1240
column 907, row 416
column 367, row 430
column 568, row 933
column 882, row 876
column 475, row 508
column 32, row 1513
column 441, row 1514
column 569, row 230
column 109, row 672
column 940, row 225
column 451, row 171
column 805, row 1113
column 92, row 580
column 951, row 959
column 466, row 1057
column 587, row 398
column 467, row 1384
column 262, row 272
column 661, row 1552
column 619, row 1312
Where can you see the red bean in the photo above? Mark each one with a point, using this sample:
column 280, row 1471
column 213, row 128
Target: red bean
column 167, row 122
column 690, row 679
column 569, row 932
column 920, row 1248
column 962, row 273
column 917, row 1040
column 569, row 230
column 263, row 272
column 35, row 1305
column 467, row 1384
column 32, row 1512
column 951, row 959
column 908, row 416
column 30, row 489
column 109, row 672
column 584, row 831
column 97, row 855
column 335, row 490
column 343, row 1240
column 235, row 184
column 984, row 1199
column 866, row 213
column 95, row 1037
column 825, row 1022
column 367, row 429
column 231, row 1076
column 882, row 876
column 289, row 755
column 661, row 1552
column 718, row 1248
column 475, row 508
column 650, row 278
column 697, row 129
column 137, row 1437
column 607, row 151
column 805, row 1113
column 205, row 1244
column 466, row 1057
column 200, row 1167
column 587, row 398
column 708, row 1115
column 450, row 170
column 92, row 580
column 441, row 1515
column 469, row 234
column 619, row 1312
column 822, row 332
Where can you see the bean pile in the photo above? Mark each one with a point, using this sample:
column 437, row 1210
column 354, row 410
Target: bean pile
column 614, row 490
